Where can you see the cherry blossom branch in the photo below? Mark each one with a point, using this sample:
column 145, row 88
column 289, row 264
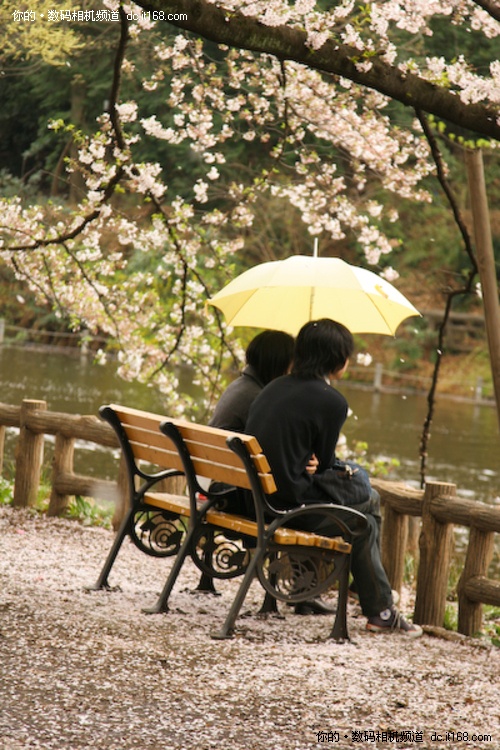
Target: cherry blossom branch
column 490, row 6
column 34, row 283
column 223, row 339
column 235, row 29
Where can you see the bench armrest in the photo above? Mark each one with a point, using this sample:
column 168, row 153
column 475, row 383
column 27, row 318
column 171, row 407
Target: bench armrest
column 350, row 522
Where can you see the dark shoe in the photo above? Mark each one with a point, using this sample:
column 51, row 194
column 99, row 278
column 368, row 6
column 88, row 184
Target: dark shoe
column 314, row 607
column 392, row 621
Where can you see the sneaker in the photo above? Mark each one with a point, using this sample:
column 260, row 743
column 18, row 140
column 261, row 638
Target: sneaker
column 392, row 621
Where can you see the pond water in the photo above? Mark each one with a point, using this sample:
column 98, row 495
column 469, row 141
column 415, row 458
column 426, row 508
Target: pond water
column 464, row 445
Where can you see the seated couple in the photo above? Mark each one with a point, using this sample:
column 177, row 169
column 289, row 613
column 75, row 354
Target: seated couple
column 285, row 398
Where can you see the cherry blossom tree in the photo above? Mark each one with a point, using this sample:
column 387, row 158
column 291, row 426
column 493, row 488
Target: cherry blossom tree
column 306, row 95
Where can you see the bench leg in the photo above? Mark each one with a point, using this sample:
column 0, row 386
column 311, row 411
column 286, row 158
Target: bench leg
column 162, row 601
column 102, row 581
column 227, row 629
column 269, row 605
column 206, row 585
column 339, row 630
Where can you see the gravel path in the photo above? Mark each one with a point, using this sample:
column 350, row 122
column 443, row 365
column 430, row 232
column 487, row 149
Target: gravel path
column 90, row 670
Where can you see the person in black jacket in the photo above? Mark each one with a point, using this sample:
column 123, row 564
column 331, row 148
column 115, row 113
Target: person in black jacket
column 268, row 355
column 300, row 415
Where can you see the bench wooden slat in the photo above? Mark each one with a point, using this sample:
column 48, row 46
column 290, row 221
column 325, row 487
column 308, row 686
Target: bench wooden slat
column 146, row 419
column 229, row 475
column 223, row 454
column 137, row 434
column 211, row 435
column 180, row 504
column 219, row 454
column 236, row 475
column 189, row 430
column 157, row 456
column 166, row 501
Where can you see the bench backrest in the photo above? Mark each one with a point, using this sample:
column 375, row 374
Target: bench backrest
column 210, row 453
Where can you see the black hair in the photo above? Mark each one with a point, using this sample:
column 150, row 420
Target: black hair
column 270, row 354
column 322, row 347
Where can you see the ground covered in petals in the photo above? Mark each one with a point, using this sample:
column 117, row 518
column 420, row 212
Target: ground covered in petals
column 91, row 670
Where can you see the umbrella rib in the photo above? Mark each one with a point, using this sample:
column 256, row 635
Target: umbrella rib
column 311, row 302
column 379, row 311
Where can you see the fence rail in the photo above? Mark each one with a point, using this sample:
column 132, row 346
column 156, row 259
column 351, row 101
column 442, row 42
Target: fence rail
column 84, row 341
column 437, row 506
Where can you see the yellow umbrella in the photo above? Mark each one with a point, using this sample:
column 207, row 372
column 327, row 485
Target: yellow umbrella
column 285, row 294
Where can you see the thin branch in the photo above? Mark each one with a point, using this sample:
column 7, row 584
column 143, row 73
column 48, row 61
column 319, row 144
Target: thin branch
column 21, row 274
column 93, row 286
column 466, row 289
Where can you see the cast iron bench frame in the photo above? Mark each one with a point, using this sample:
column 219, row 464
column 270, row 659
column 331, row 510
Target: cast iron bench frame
column 292, row 565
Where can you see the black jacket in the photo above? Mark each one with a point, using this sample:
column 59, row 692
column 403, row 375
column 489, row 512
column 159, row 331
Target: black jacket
column 293, row 419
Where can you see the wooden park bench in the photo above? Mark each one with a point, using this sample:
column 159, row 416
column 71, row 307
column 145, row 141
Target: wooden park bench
column 292, row 565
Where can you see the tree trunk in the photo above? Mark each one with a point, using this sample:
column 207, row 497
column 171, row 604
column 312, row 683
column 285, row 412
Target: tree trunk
column 485, row 262
column 77, row 187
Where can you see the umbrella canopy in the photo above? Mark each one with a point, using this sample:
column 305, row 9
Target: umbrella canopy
column 285, row 294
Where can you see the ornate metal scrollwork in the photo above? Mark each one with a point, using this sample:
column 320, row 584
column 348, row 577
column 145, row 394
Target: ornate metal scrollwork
column 217, row 555
column 296, row 573
column 157, row 533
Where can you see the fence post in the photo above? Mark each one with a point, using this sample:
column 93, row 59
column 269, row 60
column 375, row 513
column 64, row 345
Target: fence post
column 394, row 543
column 435, row 551
column 62, row 463
column 478, row 392
column 377, row 377
column 84, row 344
column 2, row 330
column 477, row 560
column 29, row 457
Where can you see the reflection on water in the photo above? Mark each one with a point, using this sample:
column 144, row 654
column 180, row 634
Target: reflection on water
column 72, row 385
column 67, row 383
column 464, row 446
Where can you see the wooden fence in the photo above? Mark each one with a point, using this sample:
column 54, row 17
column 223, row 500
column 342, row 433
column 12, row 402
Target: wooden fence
column 437, row 508
column 377, row 378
